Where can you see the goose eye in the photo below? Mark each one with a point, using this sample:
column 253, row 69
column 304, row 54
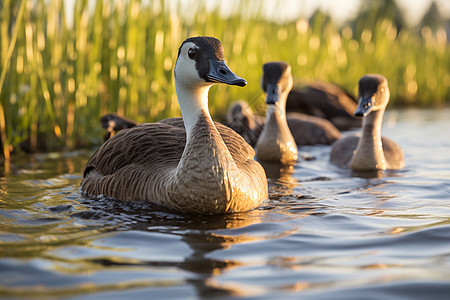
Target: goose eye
column 191, row 53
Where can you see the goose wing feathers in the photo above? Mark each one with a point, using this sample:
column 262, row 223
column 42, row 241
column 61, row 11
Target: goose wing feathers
column 144, row 145
column 393, row 153
column 146, row 151
column 342, row 151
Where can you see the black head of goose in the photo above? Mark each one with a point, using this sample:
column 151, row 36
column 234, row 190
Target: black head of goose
column 370, row 151
column 189, row 164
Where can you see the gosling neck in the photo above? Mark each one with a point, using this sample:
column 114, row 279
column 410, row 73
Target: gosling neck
column 277, row 112
column 276, row 142
column 369, row 153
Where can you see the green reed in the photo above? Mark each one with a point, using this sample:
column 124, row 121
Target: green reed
column 57, row 80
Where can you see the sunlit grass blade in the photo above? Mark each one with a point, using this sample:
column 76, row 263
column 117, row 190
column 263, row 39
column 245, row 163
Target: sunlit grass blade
column 5, row 67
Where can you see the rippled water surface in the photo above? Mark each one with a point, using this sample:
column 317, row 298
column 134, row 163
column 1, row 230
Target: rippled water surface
column 325, row 233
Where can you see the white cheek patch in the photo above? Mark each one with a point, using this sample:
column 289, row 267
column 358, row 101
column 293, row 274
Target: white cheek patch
column 185, row 69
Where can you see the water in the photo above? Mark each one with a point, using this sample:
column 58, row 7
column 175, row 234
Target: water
column 326, row 233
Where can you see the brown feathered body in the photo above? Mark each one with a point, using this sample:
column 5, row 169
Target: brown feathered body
column 145, row 163
column 344, row 149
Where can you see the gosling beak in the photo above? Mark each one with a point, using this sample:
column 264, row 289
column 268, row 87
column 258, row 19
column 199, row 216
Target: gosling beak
column 272, row 94
column 111, row 126
column 219, row 72
column 365, row 106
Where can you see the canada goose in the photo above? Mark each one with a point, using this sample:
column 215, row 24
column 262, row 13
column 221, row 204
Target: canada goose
column 276, row 142
column 114, row 123
column 371, row 151
column 325, row 100
column 189, row 164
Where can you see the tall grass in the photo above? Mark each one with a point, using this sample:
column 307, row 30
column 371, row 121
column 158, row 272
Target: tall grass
column 57, row 79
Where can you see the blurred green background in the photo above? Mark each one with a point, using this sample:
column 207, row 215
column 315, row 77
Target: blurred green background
column 60, row 73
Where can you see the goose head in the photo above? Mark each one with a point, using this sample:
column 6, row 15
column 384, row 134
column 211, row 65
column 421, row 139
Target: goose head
column 276, row 82
column 373, row 94
column 201, row 63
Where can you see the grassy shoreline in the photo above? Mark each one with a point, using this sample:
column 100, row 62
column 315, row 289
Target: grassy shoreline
column 119, row 57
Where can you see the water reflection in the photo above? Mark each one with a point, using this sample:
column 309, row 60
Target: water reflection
column 324, row 232
column 202, row 235
column 368, row 174
column 97, row 236
column 281, row 181
column 278, row 170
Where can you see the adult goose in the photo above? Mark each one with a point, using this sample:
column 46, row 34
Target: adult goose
column 190, row 164
column 370, row 151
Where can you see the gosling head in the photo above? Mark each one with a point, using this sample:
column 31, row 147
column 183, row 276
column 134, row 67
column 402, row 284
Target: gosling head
column 113, row 122
column 373, row 94
column 276, row 80
column 201, row 62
